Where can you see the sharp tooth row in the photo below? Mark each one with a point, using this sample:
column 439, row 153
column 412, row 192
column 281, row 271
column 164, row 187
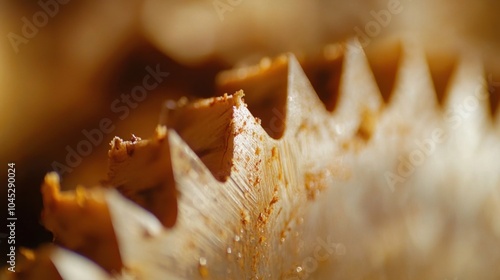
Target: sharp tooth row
column 237, row 197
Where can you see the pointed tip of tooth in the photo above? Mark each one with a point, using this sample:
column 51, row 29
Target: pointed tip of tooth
column 354, row 47
column 185, row 162
column 129, row 215
column 302, row 102
column 358, row 90
column 131, row 224
column 195, row 183
column 70, row 265
column 413, row 93
column 467, row 105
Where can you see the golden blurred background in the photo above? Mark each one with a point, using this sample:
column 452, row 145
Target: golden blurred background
column 67, row 65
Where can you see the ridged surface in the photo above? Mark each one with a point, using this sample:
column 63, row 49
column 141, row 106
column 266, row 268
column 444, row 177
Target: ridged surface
column 379, row 188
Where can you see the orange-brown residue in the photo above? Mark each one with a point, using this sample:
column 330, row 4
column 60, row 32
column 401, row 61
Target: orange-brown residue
column 202, row 268
column 367, row 125
column 315, row 183
column 88, row 218
column 274, row 152
column 245, row 217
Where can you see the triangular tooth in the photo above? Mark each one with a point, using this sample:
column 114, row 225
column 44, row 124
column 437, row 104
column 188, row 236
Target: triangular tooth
column 201, row 197
column 466, row 110
column 73, row 266
column 185, row 162
column 358, row 90
column 209, row 212
column 413, row 95
column 194, row 181
column 302, row 103
column 130, row 218
column 277, row 92
column 213, row 214
column 245, row 133
column 137, row 233
column 413, row 108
